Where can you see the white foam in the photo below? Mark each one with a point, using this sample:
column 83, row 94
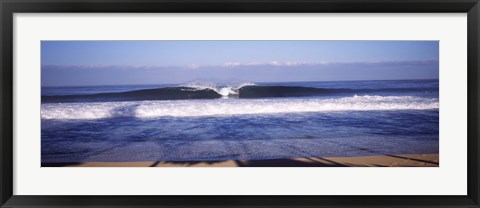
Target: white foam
column 225, row 91
column 226, row 107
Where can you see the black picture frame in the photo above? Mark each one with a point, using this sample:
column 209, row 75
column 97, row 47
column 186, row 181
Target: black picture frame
column 10, row 7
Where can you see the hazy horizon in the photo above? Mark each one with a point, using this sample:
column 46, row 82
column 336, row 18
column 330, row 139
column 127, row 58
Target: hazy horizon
column 226, row 83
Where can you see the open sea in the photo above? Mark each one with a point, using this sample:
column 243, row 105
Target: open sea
column 245, row 121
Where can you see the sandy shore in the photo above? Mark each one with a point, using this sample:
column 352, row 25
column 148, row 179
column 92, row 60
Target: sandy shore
column 410, row 160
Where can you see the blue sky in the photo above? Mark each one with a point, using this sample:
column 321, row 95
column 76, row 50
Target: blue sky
column 159, row 62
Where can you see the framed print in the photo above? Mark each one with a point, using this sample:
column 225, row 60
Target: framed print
column 247, row 104
column 211, row 115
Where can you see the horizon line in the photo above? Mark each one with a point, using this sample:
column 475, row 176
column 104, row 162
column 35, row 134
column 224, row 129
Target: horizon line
column 109, row 85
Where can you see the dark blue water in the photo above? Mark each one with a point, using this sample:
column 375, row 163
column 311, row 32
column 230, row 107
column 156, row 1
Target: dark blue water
column 316, row 120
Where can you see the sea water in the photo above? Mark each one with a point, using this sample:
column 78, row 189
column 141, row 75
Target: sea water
column 244, row 121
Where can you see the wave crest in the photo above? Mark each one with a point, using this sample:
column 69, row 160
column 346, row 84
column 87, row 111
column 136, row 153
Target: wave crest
column 224, row 91
column 205, row 90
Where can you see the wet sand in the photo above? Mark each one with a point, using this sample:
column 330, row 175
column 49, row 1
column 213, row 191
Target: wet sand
column 408, row 160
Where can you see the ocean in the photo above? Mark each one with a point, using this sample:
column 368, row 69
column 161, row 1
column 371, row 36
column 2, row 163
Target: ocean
column 203, row 121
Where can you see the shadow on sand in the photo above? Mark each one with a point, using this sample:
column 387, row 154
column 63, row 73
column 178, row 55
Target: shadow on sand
column 299, row 162
column 304, row 162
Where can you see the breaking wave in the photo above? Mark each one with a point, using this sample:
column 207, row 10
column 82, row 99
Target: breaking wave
column 211, row 91
column 224, row 91
column 227, row 107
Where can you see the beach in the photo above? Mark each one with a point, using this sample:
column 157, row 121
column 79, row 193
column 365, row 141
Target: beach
column 403, row 160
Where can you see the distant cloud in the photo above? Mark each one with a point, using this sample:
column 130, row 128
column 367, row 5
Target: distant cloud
column 323, row 63
column 227, row 65
column 193, row 66
column 394, row 63
column 273, row 71
column 271, row 63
